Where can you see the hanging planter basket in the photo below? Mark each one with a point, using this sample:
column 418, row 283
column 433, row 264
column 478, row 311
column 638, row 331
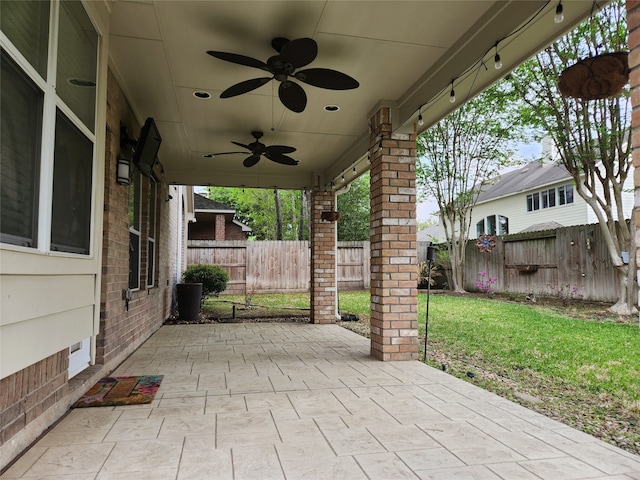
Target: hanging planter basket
column 596, row 77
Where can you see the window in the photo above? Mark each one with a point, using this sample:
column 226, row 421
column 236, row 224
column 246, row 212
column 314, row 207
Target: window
column 77, row 62
column 47, row 181
column 533, row 202
column 135, row 199
column 72, row 172
column 151, row 246
column 26, row 24
column 495, row 225
column 548, row 198
column 565, row 194
column 20, row 133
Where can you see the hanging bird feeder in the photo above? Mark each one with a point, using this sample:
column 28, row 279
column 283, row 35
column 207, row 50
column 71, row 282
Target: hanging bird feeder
column 596, row 77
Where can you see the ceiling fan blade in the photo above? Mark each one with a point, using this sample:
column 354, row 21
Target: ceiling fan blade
column 292, row 96
column 279, row 149
column 244, row 87
column 279, row 42
column 282, row 159
column 242, row 145
column 251, row 161
column 299, row 52
column 227, row 153
column 327, row 78
column 240, row 60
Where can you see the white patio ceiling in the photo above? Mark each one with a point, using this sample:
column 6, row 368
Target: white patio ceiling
column 403, row 53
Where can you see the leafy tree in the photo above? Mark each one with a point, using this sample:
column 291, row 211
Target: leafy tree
column 256, row 208
column 354, row 207
column 590, row 136
column 458, row 156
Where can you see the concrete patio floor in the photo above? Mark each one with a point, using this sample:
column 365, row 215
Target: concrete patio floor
column 297, row 401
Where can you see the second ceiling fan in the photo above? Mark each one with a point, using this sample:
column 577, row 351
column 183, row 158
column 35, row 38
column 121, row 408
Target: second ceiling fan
column 291, row 55
column 275, row 153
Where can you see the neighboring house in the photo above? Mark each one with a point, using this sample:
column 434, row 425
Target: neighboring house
column 215, row 221
column 538, row 196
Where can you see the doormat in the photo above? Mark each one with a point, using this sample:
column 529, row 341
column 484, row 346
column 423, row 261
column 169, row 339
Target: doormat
column 114, row 391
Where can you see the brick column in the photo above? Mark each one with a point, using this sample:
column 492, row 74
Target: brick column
column 221, row 233
column 323, row 260
column 633, row 26
column 394, row 309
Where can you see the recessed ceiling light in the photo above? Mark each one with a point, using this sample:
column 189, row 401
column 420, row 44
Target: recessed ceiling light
column 331, row 108
column 202, row 95
column 208, row 155
column 81, row 82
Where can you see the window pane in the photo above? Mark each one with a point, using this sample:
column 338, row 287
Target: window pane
column 491, row 224
column 77, row 61
column 26, row 24
column 529, row 203
column 134, row 260
column 552, row 197
column 536, row 201
column 503, row 225
column 561, row 198
column 480, row 228
column 152, row 210
column 20, row 134
column 150, row 263
column 569, row 193
column 134, row 201
column 72, row 172
column 545, row 199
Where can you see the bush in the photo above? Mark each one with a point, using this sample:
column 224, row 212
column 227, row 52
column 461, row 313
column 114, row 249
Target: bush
column 213, row 278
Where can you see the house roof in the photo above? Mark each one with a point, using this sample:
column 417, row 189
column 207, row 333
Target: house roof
column 530, row 177
column 205, row 206
column 540, row 227
column 202, row 203
column 429, row 234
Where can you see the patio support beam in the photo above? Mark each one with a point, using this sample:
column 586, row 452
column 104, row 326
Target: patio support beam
column 394, row 310
column 324, row 270
column 633, row 26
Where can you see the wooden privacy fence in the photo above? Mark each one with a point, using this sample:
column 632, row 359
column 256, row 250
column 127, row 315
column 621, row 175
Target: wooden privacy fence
column 572, row 262
column 278, row 266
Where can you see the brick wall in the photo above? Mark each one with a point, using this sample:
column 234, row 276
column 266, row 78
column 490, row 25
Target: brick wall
column 633, row 25
column 210, row 231
column 323, row 259
column 25, row 395
column 394, row 320
column 122, row 329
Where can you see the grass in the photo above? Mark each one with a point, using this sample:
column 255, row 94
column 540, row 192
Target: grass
column 584, row 370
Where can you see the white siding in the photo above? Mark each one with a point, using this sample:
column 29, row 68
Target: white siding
column 50, row 301
column 515, row 208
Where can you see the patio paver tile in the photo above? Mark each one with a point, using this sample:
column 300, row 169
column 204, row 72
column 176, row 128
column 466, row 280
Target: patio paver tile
column 299, row 401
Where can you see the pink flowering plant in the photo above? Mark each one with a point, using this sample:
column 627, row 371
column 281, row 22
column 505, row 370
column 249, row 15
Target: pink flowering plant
column 486, row 283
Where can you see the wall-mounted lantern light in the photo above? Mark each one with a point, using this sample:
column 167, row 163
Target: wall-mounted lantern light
column 123, row 171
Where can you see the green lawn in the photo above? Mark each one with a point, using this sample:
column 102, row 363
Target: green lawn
column 586, row 371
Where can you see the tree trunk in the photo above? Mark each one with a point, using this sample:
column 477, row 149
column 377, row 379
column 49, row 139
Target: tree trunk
column 276, row 199
column 302, row 234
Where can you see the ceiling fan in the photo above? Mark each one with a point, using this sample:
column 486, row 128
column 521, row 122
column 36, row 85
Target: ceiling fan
column 291, row 56
column 275, row 153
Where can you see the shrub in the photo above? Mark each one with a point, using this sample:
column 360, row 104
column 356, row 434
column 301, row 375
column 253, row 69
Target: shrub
column 213, row 278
